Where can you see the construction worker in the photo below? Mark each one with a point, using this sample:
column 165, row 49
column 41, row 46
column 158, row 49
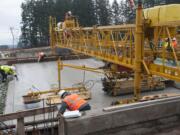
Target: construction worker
column 67, row 25
column 174, row 43
column 6, row 70
column 68, row 15
column 41, row 56
column 167, row 45
column 72, row 102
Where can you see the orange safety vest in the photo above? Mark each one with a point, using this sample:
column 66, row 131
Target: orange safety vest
column 74, row 102
column 174, row 44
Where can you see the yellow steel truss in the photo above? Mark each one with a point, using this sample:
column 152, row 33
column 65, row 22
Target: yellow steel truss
column 126, row 45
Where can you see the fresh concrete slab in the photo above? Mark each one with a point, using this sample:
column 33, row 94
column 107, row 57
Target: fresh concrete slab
column 44, row 75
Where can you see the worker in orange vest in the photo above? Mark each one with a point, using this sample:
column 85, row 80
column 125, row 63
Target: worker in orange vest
column 174, row 43
column 72, row 102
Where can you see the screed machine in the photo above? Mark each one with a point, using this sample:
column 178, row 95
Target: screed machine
column 131, row 51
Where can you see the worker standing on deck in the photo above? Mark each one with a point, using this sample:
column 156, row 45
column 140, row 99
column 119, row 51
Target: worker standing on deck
column 167, row 45
column 41, row 56
column 174, row 43
column 66, row 27
column 6, row 70
column 72, row 102
column 68, row 15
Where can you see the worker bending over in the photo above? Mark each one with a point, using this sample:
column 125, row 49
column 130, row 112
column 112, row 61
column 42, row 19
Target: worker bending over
column 72, row 102
column 41, row 56
column 6, row 70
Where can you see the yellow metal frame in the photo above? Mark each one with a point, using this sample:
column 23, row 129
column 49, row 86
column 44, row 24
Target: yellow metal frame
column 125, row 45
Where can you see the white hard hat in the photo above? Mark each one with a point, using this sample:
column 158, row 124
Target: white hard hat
column 69, row 12
column 174, row 38
column 61, row 93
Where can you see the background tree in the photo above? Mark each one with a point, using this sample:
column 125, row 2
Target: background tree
column 116, row 12
column 61, row 7
column 35, row 16
column 85, row 11
column 26, row 24
column 127, row 14
column 103, row 12
column 151, row 3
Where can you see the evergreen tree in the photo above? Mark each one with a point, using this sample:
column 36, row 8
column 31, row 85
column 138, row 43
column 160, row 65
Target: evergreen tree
column 116, row 12
column 103, row 12
column 35, row 27
column 127, row 14
column 151, row 3
column 85, row 11
column 26, row 23
column 61, row 7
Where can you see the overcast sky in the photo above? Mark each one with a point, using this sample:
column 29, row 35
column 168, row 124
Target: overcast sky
column 10, row 16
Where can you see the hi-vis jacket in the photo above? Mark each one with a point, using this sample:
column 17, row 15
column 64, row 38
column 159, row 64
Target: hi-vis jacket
column 74, row 102
column 8, row 70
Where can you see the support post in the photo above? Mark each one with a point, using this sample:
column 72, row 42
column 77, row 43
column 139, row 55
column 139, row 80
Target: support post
column 52, row 25
column 139, row 48
column 59, row 73
column 20, row 126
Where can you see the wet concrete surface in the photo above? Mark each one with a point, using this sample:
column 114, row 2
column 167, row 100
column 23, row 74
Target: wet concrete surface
column 43, row 76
